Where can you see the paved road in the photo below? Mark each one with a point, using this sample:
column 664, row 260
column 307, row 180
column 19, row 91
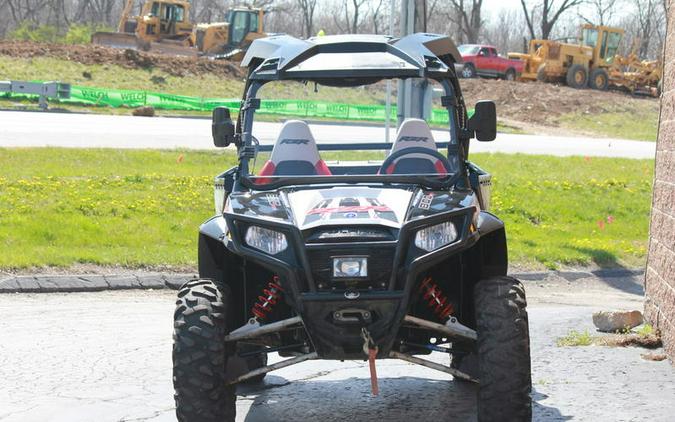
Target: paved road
column 91, row 130
column 106, row 357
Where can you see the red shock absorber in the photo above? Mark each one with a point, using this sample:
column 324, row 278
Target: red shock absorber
column 268, row 299
column 436, row 300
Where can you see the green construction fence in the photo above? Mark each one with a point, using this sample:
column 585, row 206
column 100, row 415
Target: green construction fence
column 298, row 108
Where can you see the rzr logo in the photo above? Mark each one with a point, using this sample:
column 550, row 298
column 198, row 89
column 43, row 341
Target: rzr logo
column 295, row 141
column 413, row 139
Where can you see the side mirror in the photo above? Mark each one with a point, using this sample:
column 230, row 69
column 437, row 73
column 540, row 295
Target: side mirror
column 484, row 121
column 222, row 128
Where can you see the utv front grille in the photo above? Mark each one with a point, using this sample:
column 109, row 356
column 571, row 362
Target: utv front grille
column 356, row 234
column 380, row 261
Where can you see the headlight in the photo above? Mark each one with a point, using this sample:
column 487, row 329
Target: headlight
column 350, row 267
column 432, row 238
column 266, row 240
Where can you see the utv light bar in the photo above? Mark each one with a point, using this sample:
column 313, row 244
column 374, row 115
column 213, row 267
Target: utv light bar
column 350, row 267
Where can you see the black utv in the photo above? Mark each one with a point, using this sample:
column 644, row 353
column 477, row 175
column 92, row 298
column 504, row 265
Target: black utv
column 352, row 260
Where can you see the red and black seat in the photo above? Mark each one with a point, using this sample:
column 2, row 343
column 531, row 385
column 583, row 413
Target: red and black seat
column 295, row 153
column 414, row 133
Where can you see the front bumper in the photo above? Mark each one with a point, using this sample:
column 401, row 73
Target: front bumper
column 340, row 338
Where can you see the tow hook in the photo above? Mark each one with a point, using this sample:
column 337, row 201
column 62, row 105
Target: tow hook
column 370, row 349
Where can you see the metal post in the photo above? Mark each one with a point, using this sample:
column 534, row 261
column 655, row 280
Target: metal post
column 387, row 107
column 411, row 92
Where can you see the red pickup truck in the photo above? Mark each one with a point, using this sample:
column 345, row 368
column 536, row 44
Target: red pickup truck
column 483, row 60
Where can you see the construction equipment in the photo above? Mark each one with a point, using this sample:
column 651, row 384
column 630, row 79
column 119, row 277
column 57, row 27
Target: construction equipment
column 593, row 62
column 164, row 27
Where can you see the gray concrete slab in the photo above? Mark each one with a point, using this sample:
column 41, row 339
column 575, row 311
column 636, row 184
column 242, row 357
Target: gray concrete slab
column 106, row 356
column 32, row 129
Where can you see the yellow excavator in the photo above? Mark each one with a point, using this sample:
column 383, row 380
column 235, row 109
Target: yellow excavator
column 164, row 27
column 592, row 62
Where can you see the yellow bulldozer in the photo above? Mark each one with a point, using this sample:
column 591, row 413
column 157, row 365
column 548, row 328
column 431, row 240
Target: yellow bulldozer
column 164, row 27
column 591, row 63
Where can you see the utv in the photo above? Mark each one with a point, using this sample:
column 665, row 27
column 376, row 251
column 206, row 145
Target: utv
column 356, row 260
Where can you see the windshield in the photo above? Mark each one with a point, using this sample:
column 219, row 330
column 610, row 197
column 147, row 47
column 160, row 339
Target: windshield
column 589, row 37
column 340, row 134
column 610, row 46
column 468, row 50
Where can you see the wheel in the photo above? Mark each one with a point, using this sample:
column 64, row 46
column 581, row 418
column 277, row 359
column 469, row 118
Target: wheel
column 200, row 354
column 253, row 362
column 599, row 79
column 577, row 76
column 503, row 351
column 510, row 75
column 467, row 363
column 541, row 73
column 469, row 71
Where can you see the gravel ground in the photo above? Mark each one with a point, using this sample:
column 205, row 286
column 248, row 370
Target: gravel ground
column 106, row 356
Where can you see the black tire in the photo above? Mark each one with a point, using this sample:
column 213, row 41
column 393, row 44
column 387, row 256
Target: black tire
column 503, row 351
column 467, row 363
column 253, row 362
column 200, row 354
column 541, row 73
column 577, row 76
column 599, row 79
column 468, row 71
column 510, row 75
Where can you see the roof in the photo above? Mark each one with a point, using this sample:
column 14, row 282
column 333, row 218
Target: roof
column 364, row 58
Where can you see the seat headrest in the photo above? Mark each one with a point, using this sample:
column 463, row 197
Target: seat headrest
column 295, row 143
column 413, row 133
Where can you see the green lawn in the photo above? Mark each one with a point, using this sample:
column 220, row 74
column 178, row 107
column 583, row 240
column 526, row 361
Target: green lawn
column 142, row 208
column 639, row 122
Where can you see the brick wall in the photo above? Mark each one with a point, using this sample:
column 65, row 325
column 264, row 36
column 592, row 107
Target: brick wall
column 660, row 276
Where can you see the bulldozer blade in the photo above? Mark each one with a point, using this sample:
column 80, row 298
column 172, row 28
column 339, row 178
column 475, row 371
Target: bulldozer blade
column 115, row 40
column 235, row 54
column 172, row 48
column 130, row 41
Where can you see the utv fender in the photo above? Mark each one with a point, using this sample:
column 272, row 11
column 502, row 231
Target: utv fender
column 215, row 228
column 488, row 223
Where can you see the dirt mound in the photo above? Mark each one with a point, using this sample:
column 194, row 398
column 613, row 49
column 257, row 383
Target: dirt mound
column 130, row 59
column 542, row 103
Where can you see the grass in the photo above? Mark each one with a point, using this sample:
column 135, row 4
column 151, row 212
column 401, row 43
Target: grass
column 639, row 123
column 575, row 338
column 644, row 336
column 60, row 207
column 574, row 211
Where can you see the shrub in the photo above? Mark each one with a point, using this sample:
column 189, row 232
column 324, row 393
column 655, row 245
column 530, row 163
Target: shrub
column 76, row 33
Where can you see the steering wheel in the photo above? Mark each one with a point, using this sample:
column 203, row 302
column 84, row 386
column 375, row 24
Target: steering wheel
column 414, row 150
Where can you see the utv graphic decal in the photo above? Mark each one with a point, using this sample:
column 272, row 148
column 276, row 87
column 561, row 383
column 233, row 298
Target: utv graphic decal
column 425, row 201
column 354, row 209
column 274, row 200
column 295, row 141
column 413, row 139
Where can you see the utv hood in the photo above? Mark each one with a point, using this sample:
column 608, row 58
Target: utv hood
column 349, row 206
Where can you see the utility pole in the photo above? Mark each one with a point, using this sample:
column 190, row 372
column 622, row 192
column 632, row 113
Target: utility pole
column 413, row 98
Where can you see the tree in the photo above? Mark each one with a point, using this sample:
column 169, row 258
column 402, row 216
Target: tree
column 651, row 21
column 603, row 12
column 468, row 18
column 549, row 14
column 307, row 9
column 353, row 16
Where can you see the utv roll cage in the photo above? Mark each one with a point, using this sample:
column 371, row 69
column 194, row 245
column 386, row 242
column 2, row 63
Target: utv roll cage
column 349, row 61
